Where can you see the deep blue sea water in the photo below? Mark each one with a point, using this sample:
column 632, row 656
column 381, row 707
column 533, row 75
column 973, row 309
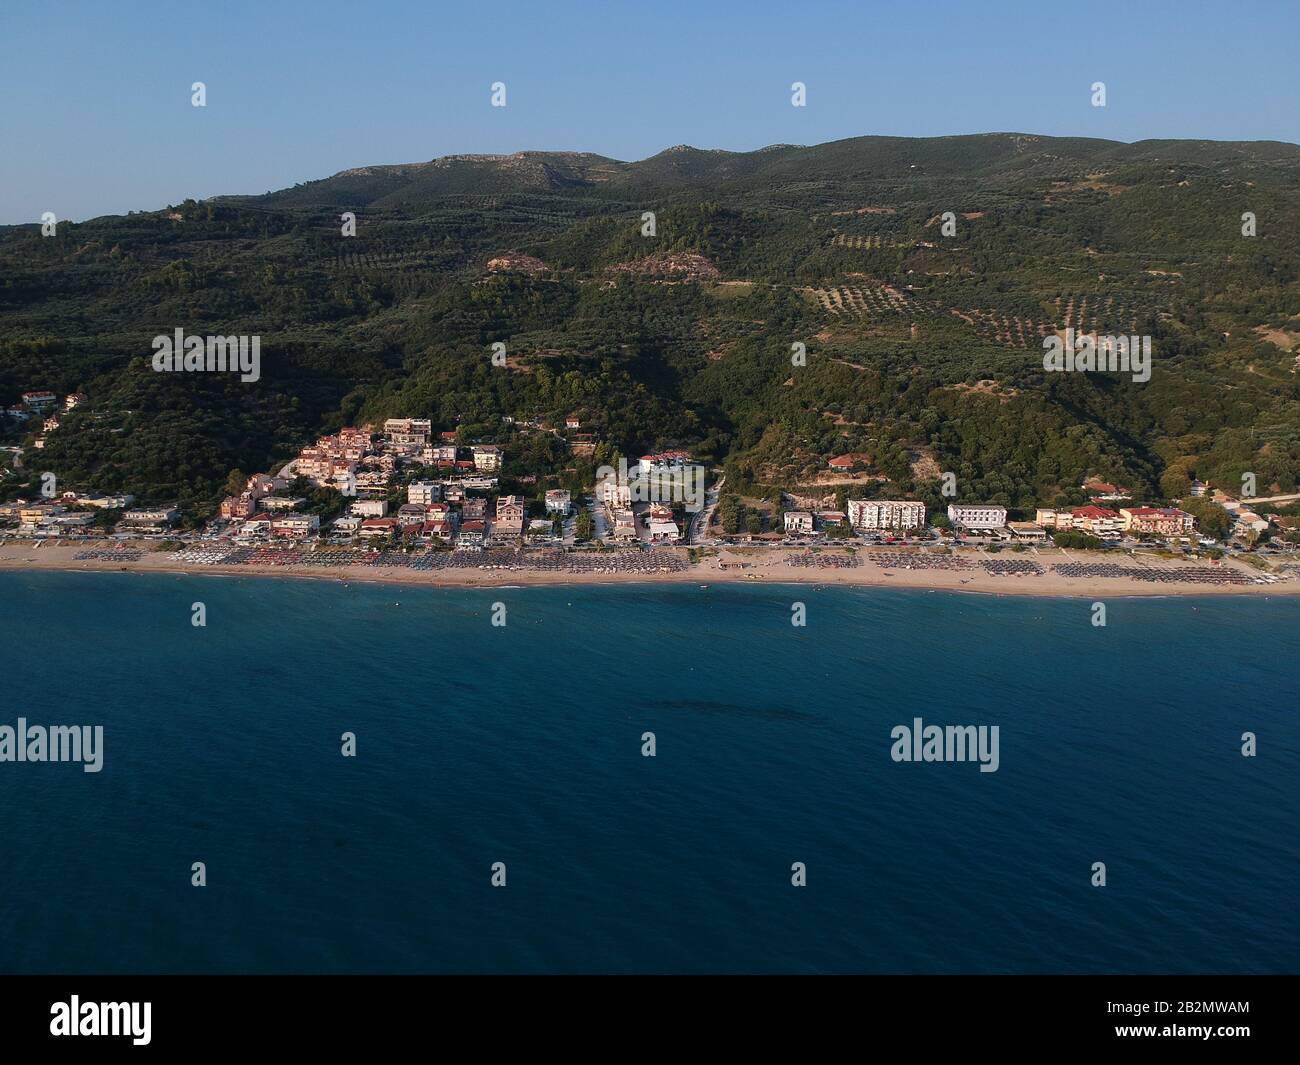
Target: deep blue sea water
column 522, row 744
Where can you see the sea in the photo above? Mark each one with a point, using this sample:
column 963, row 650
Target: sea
column 644, row 779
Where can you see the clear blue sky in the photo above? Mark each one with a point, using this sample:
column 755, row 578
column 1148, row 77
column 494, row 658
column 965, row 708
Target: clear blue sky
column 95, row 112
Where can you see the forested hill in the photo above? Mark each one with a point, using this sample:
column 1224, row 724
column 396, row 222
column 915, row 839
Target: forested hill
column 924, row 348
column 774, row 174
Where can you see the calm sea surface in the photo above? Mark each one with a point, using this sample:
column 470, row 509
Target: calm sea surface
column 522, row 744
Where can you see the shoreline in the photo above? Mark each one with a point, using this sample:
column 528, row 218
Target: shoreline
column 763, row 566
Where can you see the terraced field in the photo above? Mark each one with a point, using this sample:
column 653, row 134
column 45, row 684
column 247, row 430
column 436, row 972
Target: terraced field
column 863, row 301
column 1019, row 321
column 868, row 242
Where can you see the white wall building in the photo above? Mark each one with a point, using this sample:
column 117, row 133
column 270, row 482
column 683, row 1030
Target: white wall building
column 799, row 522
column 977, row 515
column 487, row 457
column 425, row 492
column 886, row 514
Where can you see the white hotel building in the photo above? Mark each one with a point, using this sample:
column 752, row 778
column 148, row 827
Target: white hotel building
column 886, row 514
column 977, row 515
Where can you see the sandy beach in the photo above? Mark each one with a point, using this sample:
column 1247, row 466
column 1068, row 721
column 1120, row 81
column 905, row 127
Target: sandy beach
column 881, row 569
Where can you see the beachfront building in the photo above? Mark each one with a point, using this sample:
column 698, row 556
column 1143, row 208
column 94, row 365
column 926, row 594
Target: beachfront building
column 373, row 528
column 470, row 537
column 659, row 521
column 294, row 526
column 151, row 517
column 33, row 515
column 1099, row 521
column 977, row 516
column 1163, row 521
column 1028, row 531
column 558, row 500
column 257, row 525
column 378, row 528
column 867, row 514
column 624, row 525
column 509, row 522
column 798, row 522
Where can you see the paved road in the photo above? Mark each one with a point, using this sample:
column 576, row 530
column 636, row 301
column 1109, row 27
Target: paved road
column 1294, row 497
column 700, row 522
column 599, row 527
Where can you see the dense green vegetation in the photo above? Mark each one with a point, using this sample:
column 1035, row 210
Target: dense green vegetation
column 923, row 350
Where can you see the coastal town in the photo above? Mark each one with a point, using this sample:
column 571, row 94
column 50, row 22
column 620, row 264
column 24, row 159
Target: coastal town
column 401, row 496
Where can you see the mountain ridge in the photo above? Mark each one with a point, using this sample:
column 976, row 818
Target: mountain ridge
column 683, row 166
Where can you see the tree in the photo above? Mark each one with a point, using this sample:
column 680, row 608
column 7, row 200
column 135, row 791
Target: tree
column 1072, row 538
column 1175, row 484
column 1211, row 519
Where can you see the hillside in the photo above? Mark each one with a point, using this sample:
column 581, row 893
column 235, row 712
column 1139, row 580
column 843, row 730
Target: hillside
column 924, row 350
